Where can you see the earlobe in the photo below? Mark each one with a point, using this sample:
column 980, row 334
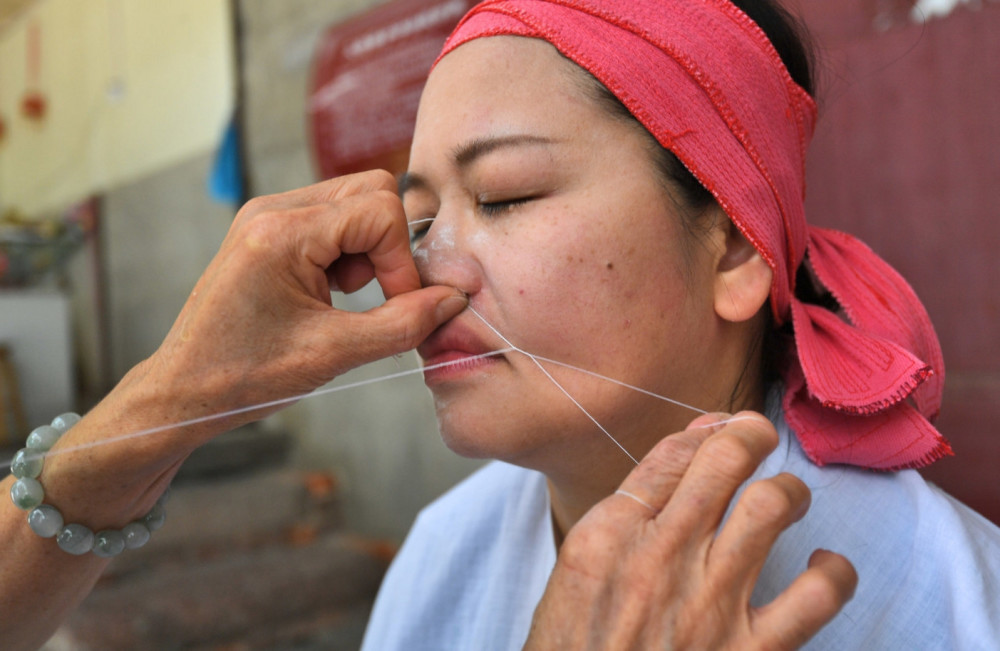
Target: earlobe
column 742, row 278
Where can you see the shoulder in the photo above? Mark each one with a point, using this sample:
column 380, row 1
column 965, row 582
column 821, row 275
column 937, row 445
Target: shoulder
column 495, row 490
column 472, row 568
column 464, row 524
column 929, row 567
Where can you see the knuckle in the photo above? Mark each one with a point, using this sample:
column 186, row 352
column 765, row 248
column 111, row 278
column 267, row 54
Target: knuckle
column 670, row 457
column 823, row 594
column 363, row 183
column 388, row 201
column 371, row 214
column 406, row 328
column 382, row 179
column 730, row 455
column 758, row 429
column 769, row 501
column 264, row 227
column 586, row 544
column 256, row 205
column 676, row 446
column 412, row 333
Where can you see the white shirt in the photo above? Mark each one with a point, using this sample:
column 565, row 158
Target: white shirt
column 478, row 559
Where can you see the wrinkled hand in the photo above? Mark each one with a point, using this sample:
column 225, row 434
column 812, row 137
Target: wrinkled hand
column 649, row 567
column 259, row 325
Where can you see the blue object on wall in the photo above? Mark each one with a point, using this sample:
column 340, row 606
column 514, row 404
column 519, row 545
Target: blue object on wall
column 225, row 181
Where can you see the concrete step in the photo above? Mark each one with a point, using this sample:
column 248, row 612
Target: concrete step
column 245, row 449
column 287, row 597
column 205, row 519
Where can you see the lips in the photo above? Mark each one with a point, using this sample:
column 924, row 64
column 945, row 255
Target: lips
column 454, row 351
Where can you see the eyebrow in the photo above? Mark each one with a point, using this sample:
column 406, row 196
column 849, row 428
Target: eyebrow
column 466, row 154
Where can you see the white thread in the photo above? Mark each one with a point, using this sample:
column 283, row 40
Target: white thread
column 536, row 358
column 620, row 383
column 243, row 410
column 419, row 253
column 580, row 407
column 558, row 386
column 329, row 390
column 636, row 498
column 444, row 235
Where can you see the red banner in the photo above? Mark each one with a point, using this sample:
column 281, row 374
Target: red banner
column 368, row 74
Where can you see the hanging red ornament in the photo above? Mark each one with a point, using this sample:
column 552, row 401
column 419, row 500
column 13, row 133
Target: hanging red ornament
column 34, row 104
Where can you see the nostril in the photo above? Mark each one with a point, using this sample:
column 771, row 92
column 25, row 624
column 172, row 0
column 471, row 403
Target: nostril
column 443, row 257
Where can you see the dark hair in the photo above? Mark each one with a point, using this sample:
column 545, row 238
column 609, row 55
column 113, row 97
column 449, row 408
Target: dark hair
column 792, row 43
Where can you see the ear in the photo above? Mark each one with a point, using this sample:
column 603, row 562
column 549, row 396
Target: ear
column 742, row 277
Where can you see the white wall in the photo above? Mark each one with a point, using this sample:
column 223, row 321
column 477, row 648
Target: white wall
column 133, row 86
column 159, row 235
column 35, row 326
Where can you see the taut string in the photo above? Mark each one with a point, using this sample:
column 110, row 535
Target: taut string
column 243, row 410
column 537, row 359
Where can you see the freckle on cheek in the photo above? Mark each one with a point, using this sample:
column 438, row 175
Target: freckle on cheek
column 610, row 266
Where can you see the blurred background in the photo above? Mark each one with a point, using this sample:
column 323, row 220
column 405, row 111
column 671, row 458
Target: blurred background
column 132, row 130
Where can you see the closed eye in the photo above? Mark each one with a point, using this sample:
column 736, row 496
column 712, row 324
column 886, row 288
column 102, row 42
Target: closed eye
column 498, row 208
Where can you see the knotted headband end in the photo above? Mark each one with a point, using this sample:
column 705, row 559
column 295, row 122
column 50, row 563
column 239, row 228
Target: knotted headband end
column 895, row 438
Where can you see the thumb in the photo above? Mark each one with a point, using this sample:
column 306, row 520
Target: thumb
column 398, row 325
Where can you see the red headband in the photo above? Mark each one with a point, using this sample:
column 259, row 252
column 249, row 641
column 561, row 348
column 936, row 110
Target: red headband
column 707, row 83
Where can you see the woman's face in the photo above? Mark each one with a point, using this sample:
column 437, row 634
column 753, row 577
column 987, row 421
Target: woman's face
column 549, row 213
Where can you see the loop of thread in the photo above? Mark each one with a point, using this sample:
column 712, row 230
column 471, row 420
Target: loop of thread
column 637, row 499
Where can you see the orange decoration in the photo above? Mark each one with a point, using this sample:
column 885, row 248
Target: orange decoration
column 320, row 484
column 34, row 106
column 302, row 535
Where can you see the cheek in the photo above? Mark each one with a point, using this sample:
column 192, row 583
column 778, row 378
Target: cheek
column 586, row 296
column 565, row 297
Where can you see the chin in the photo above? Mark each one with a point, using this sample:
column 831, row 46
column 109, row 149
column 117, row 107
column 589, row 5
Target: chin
column 475, row 439
column 528, row 447
column 473, row 442
column 464, row 447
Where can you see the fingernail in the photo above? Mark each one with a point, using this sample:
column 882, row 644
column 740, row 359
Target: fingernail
column 752, row 415
column 801, row 510
column 708, row 420
column 451, row 306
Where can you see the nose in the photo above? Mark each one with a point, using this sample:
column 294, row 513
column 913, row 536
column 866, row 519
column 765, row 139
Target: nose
column 444, row 256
